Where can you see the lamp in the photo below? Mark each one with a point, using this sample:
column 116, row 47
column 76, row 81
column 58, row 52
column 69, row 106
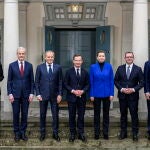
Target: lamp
column 75, row 11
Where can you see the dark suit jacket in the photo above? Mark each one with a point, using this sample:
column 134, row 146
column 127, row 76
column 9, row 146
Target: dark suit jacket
column 46, row 86
column 135, row 81
column 1, row 73
column 18, row 85
column 147, row 77
column 71, row 82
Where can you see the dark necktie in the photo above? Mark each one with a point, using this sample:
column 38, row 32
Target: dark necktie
column 50, row 70
column 78, row 75
column 21, row 69
column 128, row 72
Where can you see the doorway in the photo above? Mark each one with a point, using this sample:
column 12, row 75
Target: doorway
column 70, row 41
column 67, row 42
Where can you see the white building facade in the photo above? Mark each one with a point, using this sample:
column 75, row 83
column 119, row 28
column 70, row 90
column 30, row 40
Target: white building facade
column 24, row 22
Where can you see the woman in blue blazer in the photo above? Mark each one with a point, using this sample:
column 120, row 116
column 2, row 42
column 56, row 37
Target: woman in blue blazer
column 101, row 91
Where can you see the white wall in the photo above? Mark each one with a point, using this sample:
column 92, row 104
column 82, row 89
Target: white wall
column 114, row 18
column 35, row 14
column 1, row 10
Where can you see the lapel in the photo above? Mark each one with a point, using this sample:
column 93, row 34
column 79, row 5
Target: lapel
column 74, row 74
column 132, row 71
column 54, row 67
column 25, row 67
column 124, row 71
column 99, row 69
column 17, row 67
column 45, row 69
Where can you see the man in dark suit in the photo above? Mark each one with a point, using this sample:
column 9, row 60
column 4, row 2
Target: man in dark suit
column 147, row 92
column 129, row 80
column 76, row 82
column 48, row 83
column 1, row 73
column 20, row 87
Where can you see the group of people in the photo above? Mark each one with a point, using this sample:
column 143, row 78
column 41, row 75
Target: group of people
column 49, row 84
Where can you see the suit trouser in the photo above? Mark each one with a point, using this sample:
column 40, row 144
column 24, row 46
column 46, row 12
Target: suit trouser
column 97, row 110
column 20, row 104
column 79, row 106
column 43, row 112
column 148, row 119
column 132, row 104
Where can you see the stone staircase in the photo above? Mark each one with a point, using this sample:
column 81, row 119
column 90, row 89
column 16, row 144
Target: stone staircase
column 7, row 141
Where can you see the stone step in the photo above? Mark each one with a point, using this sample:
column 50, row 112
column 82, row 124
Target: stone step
column 64, row 144
column 7, row 141
column 7, row 138
column 33, row 132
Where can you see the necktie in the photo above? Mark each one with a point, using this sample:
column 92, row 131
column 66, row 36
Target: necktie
column 78, row 75
column 50, row 70
column 128, row 72
column 21, row 69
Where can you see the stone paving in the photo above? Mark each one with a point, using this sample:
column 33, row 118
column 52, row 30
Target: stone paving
column 7, row 142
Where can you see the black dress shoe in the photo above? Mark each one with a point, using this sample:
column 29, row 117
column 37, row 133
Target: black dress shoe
column 122, row 135
column 135, row 137
column 17, row 137
column 82, row 138
column 105, row 136
column 24, row 137
column 56, row 137
column 42, row 137
column 96, row 137
column 72, row 137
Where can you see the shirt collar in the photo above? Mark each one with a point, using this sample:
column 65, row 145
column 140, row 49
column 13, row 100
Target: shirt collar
column 49, row 64
column 77, row 68
column 131, row 65
column 19, row 62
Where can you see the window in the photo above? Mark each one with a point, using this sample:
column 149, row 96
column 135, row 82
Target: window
column 59, row 13
column 90, row 13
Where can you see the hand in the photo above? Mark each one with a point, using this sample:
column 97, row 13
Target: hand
column 130, row 90
column 127, row 90
column 147, row 95
column 39, row 98
column 79, row 93
column 11, row 98
column 92, row 99
column 59, row 98
column 30, row 98
column 124, row 90
column 111, row 98
column 75, row 92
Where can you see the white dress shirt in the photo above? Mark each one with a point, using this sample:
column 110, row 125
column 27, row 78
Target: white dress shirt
column 47, row 66
column 131, row 65
column 79, row 70
column 19, row 64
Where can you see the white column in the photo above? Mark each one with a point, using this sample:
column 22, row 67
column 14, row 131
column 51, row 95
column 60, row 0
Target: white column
column 23, row 24
column 11, row 42
column 127, row 28
column 140, row 31
column 140, row 40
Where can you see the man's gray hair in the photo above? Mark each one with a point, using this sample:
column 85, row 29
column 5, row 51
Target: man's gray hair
column 19, row 48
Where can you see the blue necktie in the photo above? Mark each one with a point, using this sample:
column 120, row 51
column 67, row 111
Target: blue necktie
column 50, row 70
column 128, row 72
